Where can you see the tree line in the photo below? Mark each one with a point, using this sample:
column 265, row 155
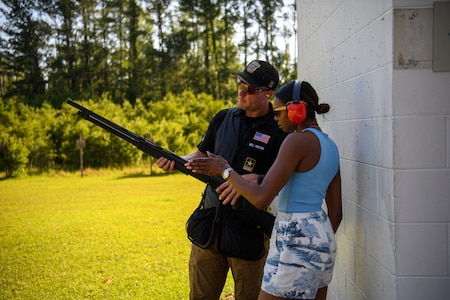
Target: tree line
column 137, row 49
column 43, row 139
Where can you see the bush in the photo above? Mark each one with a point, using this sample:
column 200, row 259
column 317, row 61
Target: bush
column 13, row 157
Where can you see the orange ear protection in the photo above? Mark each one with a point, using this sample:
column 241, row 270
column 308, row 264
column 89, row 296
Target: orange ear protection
column 297, row 110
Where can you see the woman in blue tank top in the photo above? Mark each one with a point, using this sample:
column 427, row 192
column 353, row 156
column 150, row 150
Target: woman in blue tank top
column 305, row 173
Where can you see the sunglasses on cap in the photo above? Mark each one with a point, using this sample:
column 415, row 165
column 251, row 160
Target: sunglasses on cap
column 248, row 89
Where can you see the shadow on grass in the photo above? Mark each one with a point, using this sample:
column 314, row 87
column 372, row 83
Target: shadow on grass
column 142, row 174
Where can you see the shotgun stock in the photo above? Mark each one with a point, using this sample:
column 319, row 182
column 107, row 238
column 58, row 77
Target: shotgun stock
column 260, row 218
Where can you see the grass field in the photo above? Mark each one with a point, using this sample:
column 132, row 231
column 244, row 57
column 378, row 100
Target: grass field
column 107, row 235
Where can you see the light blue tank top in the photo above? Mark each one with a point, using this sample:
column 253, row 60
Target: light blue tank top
column 305, row 191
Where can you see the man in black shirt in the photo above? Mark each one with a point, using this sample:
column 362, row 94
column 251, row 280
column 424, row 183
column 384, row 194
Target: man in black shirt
column 248, row 137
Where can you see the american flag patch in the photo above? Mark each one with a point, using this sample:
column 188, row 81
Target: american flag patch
column 261, row 137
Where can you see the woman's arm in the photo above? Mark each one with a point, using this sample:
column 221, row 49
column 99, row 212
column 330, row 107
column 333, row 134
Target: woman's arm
column 333, row 198
column 290, row 154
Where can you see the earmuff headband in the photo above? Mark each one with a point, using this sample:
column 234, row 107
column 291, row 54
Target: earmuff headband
column 296, row 91
column 297, row 110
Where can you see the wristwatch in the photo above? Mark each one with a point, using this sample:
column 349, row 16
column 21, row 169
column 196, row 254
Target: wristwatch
column 226, row 173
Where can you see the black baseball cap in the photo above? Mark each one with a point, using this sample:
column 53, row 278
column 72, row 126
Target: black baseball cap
column 260, row 73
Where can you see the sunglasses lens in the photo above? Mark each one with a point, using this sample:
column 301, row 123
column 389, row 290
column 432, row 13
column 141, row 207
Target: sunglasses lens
column 243, row 87
column 247, row 89
column 278, row 109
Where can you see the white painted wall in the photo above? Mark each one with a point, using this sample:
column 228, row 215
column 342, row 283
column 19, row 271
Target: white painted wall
column 392, row 127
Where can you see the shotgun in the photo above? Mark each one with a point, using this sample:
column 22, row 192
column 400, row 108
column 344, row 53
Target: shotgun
column 260, row 218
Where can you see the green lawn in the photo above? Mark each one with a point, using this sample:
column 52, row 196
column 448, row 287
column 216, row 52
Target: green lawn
column 107, row 235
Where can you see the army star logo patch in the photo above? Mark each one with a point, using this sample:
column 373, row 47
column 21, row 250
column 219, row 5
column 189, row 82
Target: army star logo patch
column 249, row 164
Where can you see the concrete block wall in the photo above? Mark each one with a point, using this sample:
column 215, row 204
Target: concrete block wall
column 422, row 188
column 392, row 127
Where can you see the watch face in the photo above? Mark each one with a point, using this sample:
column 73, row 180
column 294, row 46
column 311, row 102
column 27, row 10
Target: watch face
column 226, row 173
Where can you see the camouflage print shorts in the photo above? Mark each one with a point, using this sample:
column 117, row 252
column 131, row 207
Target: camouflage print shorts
column 301, row 256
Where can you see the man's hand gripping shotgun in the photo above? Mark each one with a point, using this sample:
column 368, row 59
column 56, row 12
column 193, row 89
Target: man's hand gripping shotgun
column 250, row 213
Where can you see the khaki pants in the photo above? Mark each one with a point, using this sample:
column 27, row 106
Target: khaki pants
column 208, row 271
